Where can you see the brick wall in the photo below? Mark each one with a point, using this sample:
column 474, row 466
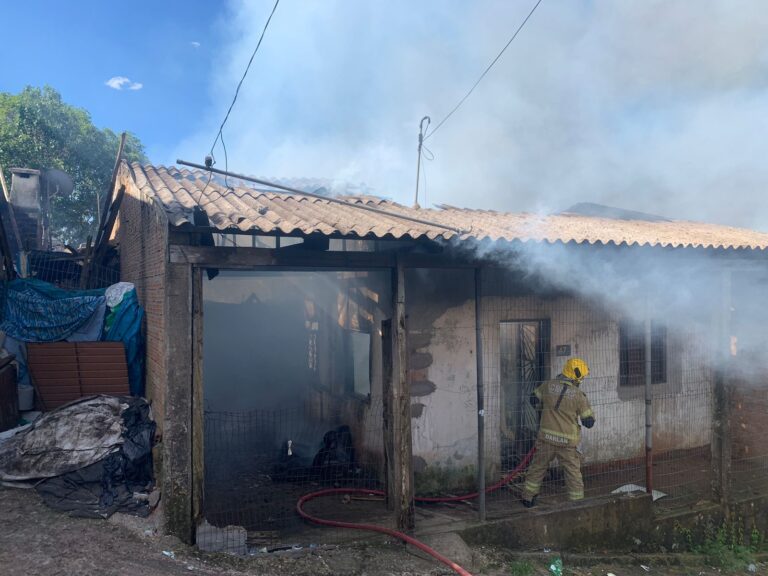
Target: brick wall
column 143, row 241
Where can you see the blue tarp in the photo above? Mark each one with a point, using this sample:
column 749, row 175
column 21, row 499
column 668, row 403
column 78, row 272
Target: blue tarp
column 124, row 325
column 35, row 311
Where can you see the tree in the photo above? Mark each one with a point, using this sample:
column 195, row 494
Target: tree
column 39, row 130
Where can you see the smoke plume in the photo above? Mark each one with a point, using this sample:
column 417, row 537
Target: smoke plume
column 654, row 106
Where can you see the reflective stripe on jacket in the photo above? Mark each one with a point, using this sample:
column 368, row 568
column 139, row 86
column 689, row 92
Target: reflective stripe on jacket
column 562, row 404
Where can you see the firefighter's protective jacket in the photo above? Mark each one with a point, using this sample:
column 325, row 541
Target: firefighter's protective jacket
column 562, row 404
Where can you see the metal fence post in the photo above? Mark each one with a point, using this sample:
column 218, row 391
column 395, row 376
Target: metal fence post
column 480, row 397
column 648, row 402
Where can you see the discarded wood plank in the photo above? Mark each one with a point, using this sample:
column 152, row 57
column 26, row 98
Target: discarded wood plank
column 112, row 182
column 86, row 270
column 108, row 217
column 100, row 247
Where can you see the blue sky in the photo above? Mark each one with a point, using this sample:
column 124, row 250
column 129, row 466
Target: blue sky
column 78, row 46
column 659, row 106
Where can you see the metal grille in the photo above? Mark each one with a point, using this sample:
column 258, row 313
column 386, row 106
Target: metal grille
column 66, row 270
column 259, row 463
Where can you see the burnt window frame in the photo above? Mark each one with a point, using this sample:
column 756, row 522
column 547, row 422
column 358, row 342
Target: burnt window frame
column 632, row 361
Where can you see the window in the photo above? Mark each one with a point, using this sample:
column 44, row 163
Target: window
column 359, row 363
column 632, row 360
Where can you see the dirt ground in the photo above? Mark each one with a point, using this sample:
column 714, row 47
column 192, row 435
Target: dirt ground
column 37, row 541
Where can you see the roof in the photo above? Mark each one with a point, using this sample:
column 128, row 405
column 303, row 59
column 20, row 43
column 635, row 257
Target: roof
column 259, row 210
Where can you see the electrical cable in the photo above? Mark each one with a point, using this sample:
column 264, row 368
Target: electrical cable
column 226, row 162
column 394, row 533
column 227, row 187
column 239, row 84
column 488, row 69
column 200, row 196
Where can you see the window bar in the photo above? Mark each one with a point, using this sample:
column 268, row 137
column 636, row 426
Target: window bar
column 480, row 397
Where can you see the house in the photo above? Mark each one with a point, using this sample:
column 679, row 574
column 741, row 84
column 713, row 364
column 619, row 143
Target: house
column 408, row 340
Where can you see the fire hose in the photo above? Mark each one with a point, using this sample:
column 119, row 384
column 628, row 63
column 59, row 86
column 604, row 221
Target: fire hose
column 424, row 500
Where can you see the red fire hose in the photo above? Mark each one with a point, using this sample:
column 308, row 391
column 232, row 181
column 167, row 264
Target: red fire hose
column 394, row 533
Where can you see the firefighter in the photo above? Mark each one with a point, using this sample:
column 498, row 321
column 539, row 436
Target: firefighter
column 562, row 404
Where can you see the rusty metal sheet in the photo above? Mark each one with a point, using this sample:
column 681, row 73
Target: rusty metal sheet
column 65, row 371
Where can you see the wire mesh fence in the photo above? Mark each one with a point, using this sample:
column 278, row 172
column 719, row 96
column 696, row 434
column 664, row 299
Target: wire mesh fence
column 259, row 463
column 651, row 386
column 748, row 472
column 527, row 336
column 294, row 365
column 67, row 270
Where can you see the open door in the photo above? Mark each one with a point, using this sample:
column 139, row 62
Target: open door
column 524, row 353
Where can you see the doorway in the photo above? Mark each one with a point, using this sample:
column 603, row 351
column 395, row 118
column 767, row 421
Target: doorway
column 524, row 355
column 292, row 390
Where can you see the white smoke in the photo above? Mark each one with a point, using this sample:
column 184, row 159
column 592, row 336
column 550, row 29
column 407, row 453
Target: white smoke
column 656, row 106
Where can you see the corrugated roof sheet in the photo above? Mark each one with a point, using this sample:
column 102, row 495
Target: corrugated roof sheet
column 256, row 209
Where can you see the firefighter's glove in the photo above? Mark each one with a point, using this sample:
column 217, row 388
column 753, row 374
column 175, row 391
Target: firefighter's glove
column 588, row 422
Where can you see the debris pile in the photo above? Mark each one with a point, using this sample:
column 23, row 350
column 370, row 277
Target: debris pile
column 91, row 457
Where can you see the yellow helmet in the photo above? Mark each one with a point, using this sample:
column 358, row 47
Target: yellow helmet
column 576, row 369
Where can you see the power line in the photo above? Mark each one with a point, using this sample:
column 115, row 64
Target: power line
column 239, row 84
column 220, row 133
column 488, row 69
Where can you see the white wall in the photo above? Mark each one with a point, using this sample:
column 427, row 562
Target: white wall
column 445, row 432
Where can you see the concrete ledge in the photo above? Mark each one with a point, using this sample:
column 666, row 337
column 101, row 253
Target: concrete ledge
column 610, row 523
column 620, row 524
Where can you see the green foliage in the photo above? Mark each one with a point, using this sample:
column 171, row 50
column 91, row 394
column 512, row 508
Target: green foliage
column 726, row 546
column 521, row 568
column 39, row 130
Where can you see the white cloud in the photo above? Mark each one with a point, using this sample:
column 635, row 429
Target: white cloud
column 117, row 82
column 120, row 82
column 195, row 44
